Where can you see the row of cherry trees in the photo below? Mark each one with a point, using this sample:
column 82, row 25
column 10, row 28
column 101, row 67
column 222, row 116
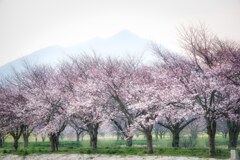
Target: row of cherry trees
column 86, row 91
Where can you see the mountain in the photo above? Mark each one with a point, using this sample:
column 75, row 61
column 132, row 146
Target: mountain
column 49, row 55
column 120, row 45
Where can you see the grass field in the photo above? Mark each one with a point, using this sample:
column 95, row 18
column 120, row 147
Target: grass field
column 108, row 145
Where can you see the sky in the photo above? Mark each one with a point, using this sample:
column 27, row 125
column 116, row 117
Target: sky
column 29, row 25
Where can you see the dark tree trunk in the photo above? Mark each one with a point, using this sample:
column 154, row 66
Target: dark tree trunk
column 1, row 140
column 93, row 142
column 93, row 133
column 36, row 139
column 26, row 134
column 1, row 143
column 211, row 131
column 129, row 141
column 15, row 143
column 16, row 136
column 54, row 140
column 234, row 129
column 212, row 151
column 148, row 135
column 25, row 140
column 175, row 139
column 78, row 136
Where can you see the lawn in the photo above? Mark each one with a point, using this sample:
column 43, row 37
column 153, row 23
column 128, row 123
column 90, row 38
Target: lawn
column 108, row 145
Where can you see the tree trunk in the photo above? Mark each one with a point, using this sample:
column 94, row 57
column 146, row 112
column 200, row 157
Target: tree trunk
column 129, row 141
column 93, row 142
column 25, row 139
column 53, row 137
column 234, row 129
column 16, row 136
column 15, row 144
column 148, row 135
column 78, row 136
column 212, row 151
column 211, row 131
column 93, row 133
column 175, row 139
column 26, row 133
column 1, row 143
column 1, row 140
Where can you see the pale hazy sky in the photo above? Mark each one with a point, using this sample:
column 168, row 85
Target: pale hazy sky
column 29, row 25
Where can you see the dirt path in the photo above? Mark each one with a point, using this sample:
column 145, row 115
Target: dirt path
column 94, row 157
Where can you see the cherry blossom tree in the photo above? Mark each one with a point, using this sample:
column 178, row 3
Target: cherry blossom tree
column 85, row 94
column 13, row 105
column 42, row 90
column 115, row 75
column 215, row 97
column 29, row 110
column 144, row 101
column 177, row 111
column 229, row 57
column 133, row 90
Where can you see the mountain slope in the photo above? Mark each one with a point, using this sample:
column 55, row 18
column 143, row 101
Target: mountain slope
column 122, row 44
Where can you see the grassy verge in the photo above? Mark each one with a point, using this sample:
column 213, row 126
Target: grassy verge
column 111, row 146
column 194, row 152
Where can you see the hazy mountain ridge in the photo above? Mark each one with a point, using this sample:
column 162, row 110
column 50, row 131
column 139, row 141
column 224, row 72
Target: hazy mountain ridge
column 121, row 45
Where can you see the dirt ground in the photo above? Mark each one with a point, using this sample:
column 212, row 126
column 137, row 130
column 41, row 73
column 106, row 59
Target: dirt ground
column 94, row 157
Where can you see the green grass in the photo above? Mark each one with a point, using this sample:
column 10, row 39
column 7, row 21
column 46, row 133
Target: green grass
column 194, row 152
column 111, row 146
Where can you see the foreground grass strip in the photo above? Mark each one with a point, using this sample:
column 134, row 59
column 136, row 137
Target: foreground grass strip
column 194, row 152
